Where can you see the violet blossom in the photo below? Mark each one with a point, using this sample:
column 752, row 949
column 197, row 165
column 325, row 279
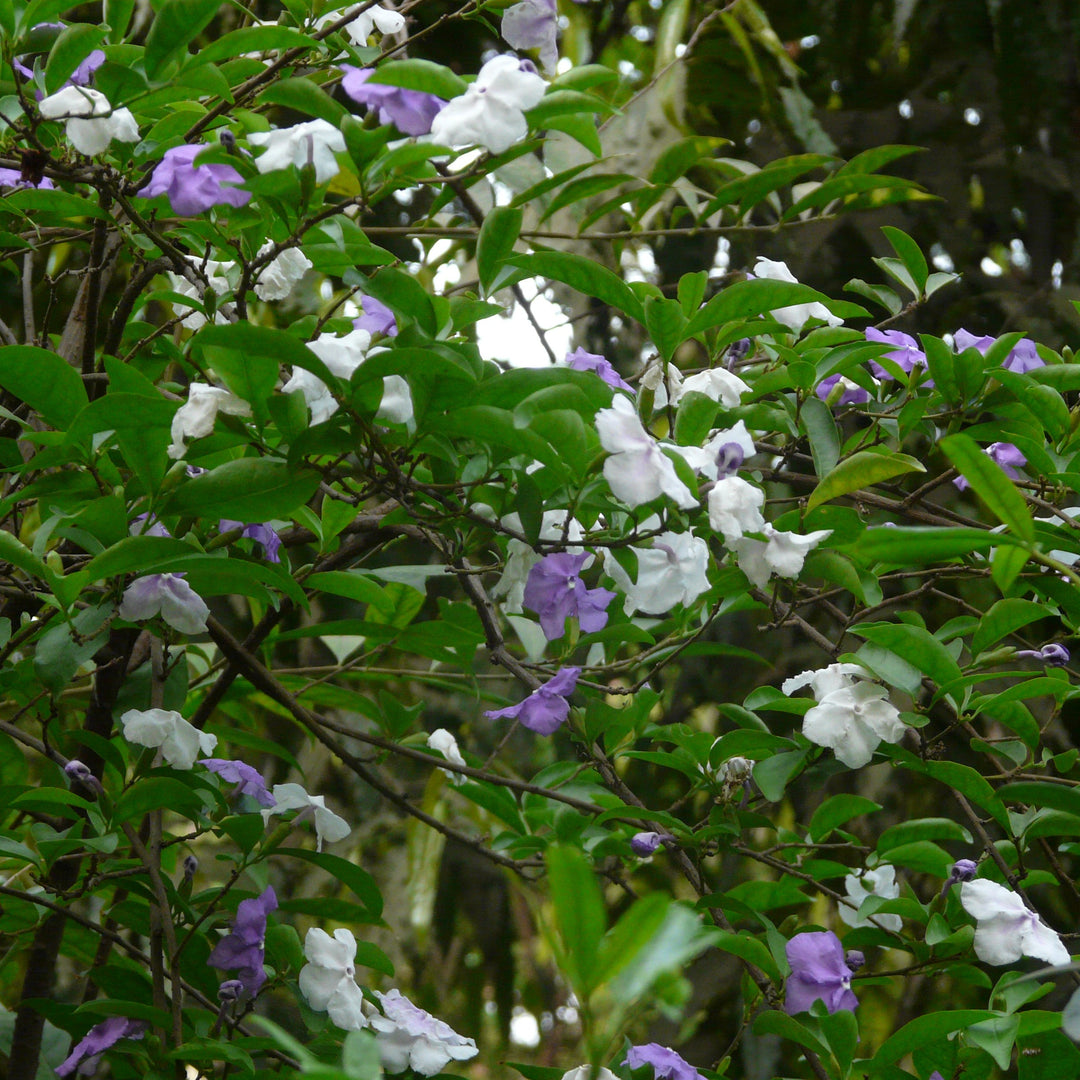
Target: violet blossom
column 410, row 1038
column 14, row 178
column 248, row 780
column 1004, row 454
column 1053, row 655
column 85, row 1054
column 555, row 591
column 192, row 188
column 169, row 596
column 666, row 1064
column 905, row 352
column 242, row 949
column 818, row 971
column 377, row 318
column 580, row 360
column 262, row 534
column 1022, row 358
column 410, row 111
column 853, row 393
column 533, row 24
column 546, row 708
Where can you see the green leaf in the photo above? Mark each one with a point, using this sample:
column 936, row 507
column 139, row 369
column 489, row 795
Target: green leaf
column 915, row 645
column 910, row 255
column 996, row 1036
column 250, row 39
column 861, row 470
column 745, row 299
column 991, row 484
column 852, row 184
column 579, row 912
column 45, row 381
column 1035, row 793
column 748, row 948
column 406, row 296
column 772, row 774
column 248, row 489
column 156, row 793
column 15, row 552
column 306, row 97
column 422, row 75
column 922, row 829
column 821, row 431
column 72, row 47
column 1003, row 619
column 665, row 322
column 359, row 881
column 917, row 545
column 496, row 242
column 922, row 1031
column 176, row 24
column 587, row 276
column 836, row 810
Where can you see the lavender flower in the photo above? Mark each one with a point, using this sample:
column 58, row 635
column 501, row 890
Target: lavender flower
column 853, row 393
column 410, row 111
column 85, row 1054
column 667, row 1065
column 1053, row 655
column 646, row 843
column 533, row 24
column 546, row 707
column 14, row 178
column 906, row 351
column 261, row 534
column 194, row 188
column 145, row 525
column 580, row 360
column 169, row 596
column 410, row 1038
column 376, row 319
column 248, row 780
column 1004, row 454
column 1022, row 358
column 818, row 970
column 242, row 949
column 555, row 591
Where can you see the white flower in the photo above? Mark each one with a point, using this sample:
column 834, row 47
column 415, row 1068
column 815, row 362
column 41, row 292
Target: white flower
column 796, row 315
column 735, row 508
column 277, row 278
column 328, row 979
column 328, row 826
column 92, row 123
column 1006, row 929
column 880, row 882
column 360, row 29
column 410, row 1038
column 216, row 275
column 314, row 142
column 853, row 714
column 638, row 471
column 664, row 380
column 706, row 459
column 781, row 553
column 584, row 1072
column 717, row 383
column 195, row 418
column 671, row 572
column 491, row 111
column 521, row 558
column 445, row 743
column 169, row 596
column 180, row 742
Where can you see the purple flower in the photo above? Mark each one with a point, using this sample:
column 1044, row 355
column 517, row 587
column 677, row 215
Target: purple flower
column 168, row 595
column 906, row 351
column 13, row 178
column 546, row 707
column 818, row 970
column 242, row 949
column 646, row 843
column 666, row 1063
column 376, row 319
column 853, row 393
column 555, row 591
column 1052, row 655
column 1022, row 358
column 261, row 534
column 410, row 111
column 154, row 528
column 1004, row 454
column 533, row 24
column 82, row 76
column 194, row 188
column 580, row 360
column 85, row 1053
column 249, row 781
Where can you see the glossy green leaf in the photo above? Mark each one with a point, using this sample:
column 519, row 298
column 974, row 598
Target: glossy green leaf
column 72, row 47
column 861, row 470
column 496, row 242
column 175, row 25
column 248, row 489
column 991, row 484
column 579, row 912
column 45, row 381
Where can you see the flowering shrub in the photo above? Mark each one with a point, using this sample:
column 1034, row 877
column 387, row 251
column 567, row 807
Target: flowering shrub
column 537, row 636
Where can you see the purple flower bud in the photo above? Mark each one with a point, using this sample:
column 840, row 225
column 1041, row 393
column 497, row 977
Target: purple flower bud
column 818, row 970
column 1053, row 655
column 555, row 591
column 854, row 960
column 546, row 708
column 736, row 351
column 580, row 360
column 646, row 843
column 194, row 188
column 729, row 459
column 191, row 866
column 964, row 870
column 230, row 990
column 410, row 111
column 85, row 1053
column 263, row 535
column 76, row 770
